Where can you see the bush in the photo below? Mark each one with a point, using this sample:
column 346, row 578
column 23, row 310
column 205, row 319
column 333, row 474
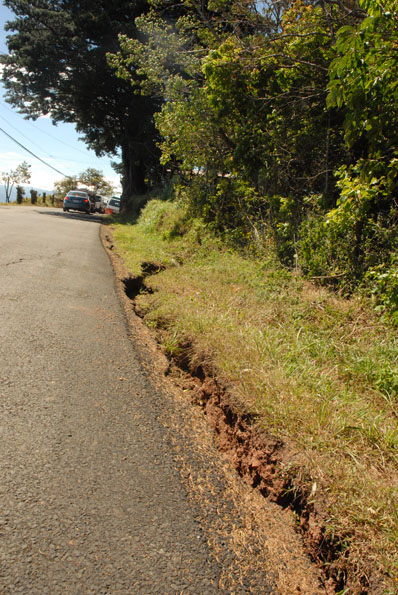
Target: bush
column 383, row 285
column 163, row 216
column 173, row 220
column 20, row 194
column 324, row 251
column 343, row 245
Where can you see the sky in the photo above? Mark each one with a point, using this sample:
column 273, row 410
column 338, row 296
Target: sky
column 59, row 146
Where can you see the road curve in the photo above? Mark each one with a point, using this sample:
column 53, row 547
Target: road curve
column 97, row 493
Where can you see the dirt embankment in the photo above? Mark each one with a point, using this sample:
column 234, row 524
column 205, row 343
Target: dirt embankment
column 267, row 464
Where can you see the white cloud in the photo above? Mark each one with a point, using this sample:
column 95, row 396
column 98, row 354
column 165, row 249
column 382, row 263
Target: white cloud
column 10, row 160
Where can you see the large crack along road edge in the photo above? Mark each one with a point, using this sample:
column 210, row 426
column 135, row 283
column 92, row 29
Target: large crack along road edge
column 255, row 456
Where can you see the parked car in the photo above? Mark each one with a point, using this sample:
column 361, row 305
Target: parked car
column 96, row 198
column 101, row 202
column 113, row 206
column 77, row 200
column 104, row 202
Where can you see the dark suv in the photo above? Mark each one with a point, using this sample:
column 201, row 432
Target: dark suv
column 77, row 200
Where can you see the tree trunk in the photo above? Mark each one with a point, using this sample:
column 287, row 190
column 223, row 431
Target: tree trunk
column 8, row 189
column 133, row 181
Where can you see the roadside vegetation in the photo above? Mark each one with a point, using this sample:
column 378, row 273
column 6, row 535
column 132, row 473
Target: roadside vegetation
column 279, row 125
column 91, row 179
column 320, row 371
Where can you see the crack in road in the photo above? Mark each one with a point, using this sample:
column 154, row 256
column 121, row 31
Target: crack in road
column 8, row 264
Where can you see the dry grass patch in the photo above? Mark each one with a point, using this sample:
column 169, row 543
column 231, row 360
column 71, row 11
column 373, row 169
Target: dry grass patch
column 321, row 372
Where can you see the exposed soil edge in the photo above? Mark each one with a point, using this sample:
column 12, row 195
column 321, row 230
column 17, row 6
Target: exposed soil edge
column 267, row 464
column 263, row 461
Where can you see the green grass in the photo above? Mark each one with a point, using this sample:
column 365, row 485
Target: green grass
column 320, row 371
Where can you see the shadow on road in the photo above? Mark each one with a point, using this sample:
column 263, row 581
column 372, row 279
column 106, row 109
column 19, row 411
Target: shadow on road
column 93, row 218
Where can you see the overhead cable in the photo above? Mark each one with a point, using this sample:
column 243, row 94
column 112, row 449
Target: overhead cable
column 31, row 153
column 44, row 131
column 24, row 135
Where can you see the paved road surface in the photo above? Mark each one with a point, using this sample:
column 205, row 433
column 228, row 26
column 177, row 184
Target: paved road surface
column 92, row 493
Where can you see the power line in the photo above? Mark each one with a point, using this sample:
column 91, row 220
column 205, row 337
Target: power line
column 31, row 153
column 44, row 131
column 25, row 137
column 30, row 140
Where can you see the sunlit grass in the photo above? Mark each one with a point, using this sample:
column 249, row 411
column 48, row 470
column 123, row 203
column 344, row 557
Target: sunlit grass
column 321, row 372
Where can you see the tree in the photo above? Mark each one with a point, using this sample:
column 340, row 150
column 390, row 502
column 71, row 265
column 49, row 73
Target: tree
column 20, row 194
column 94, row 179
column 57, row 65
column 167, row 57
column 20, row 175
column 63, row 186
column 90, row 177
column 363, row 82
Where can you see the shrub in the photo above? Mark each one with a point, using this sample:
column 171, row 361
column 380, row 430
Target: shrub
column 20, row 194
column 344, row 244
column 383, row 282
column 164, row 216
column 324, row 250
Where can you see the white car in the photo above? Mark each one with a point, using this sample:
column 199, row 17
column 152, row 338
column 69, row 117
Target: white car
column 113, row 206
column 97, row 199
column 104, row 202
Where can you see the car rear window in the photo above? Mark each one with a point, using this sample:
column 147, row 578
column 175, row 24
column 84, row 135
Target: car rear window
column 79, row 194
column 114, row 203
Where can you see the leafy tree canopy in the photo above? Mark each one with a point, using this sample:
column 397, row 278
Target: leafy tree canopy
column 63, row 186
column 94, row 179
column 91, row 177
column 364, row 82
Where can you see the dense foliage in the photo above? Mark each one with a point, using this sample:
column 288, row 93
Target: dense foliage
column 279, row 119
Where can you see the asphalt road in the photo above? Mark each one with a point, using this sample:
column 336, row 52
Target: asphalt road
column 101, row 491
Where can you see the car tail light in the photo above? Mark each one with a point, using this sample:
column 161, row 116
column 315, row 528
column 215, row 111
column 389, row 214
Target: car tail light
column 85, row 200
